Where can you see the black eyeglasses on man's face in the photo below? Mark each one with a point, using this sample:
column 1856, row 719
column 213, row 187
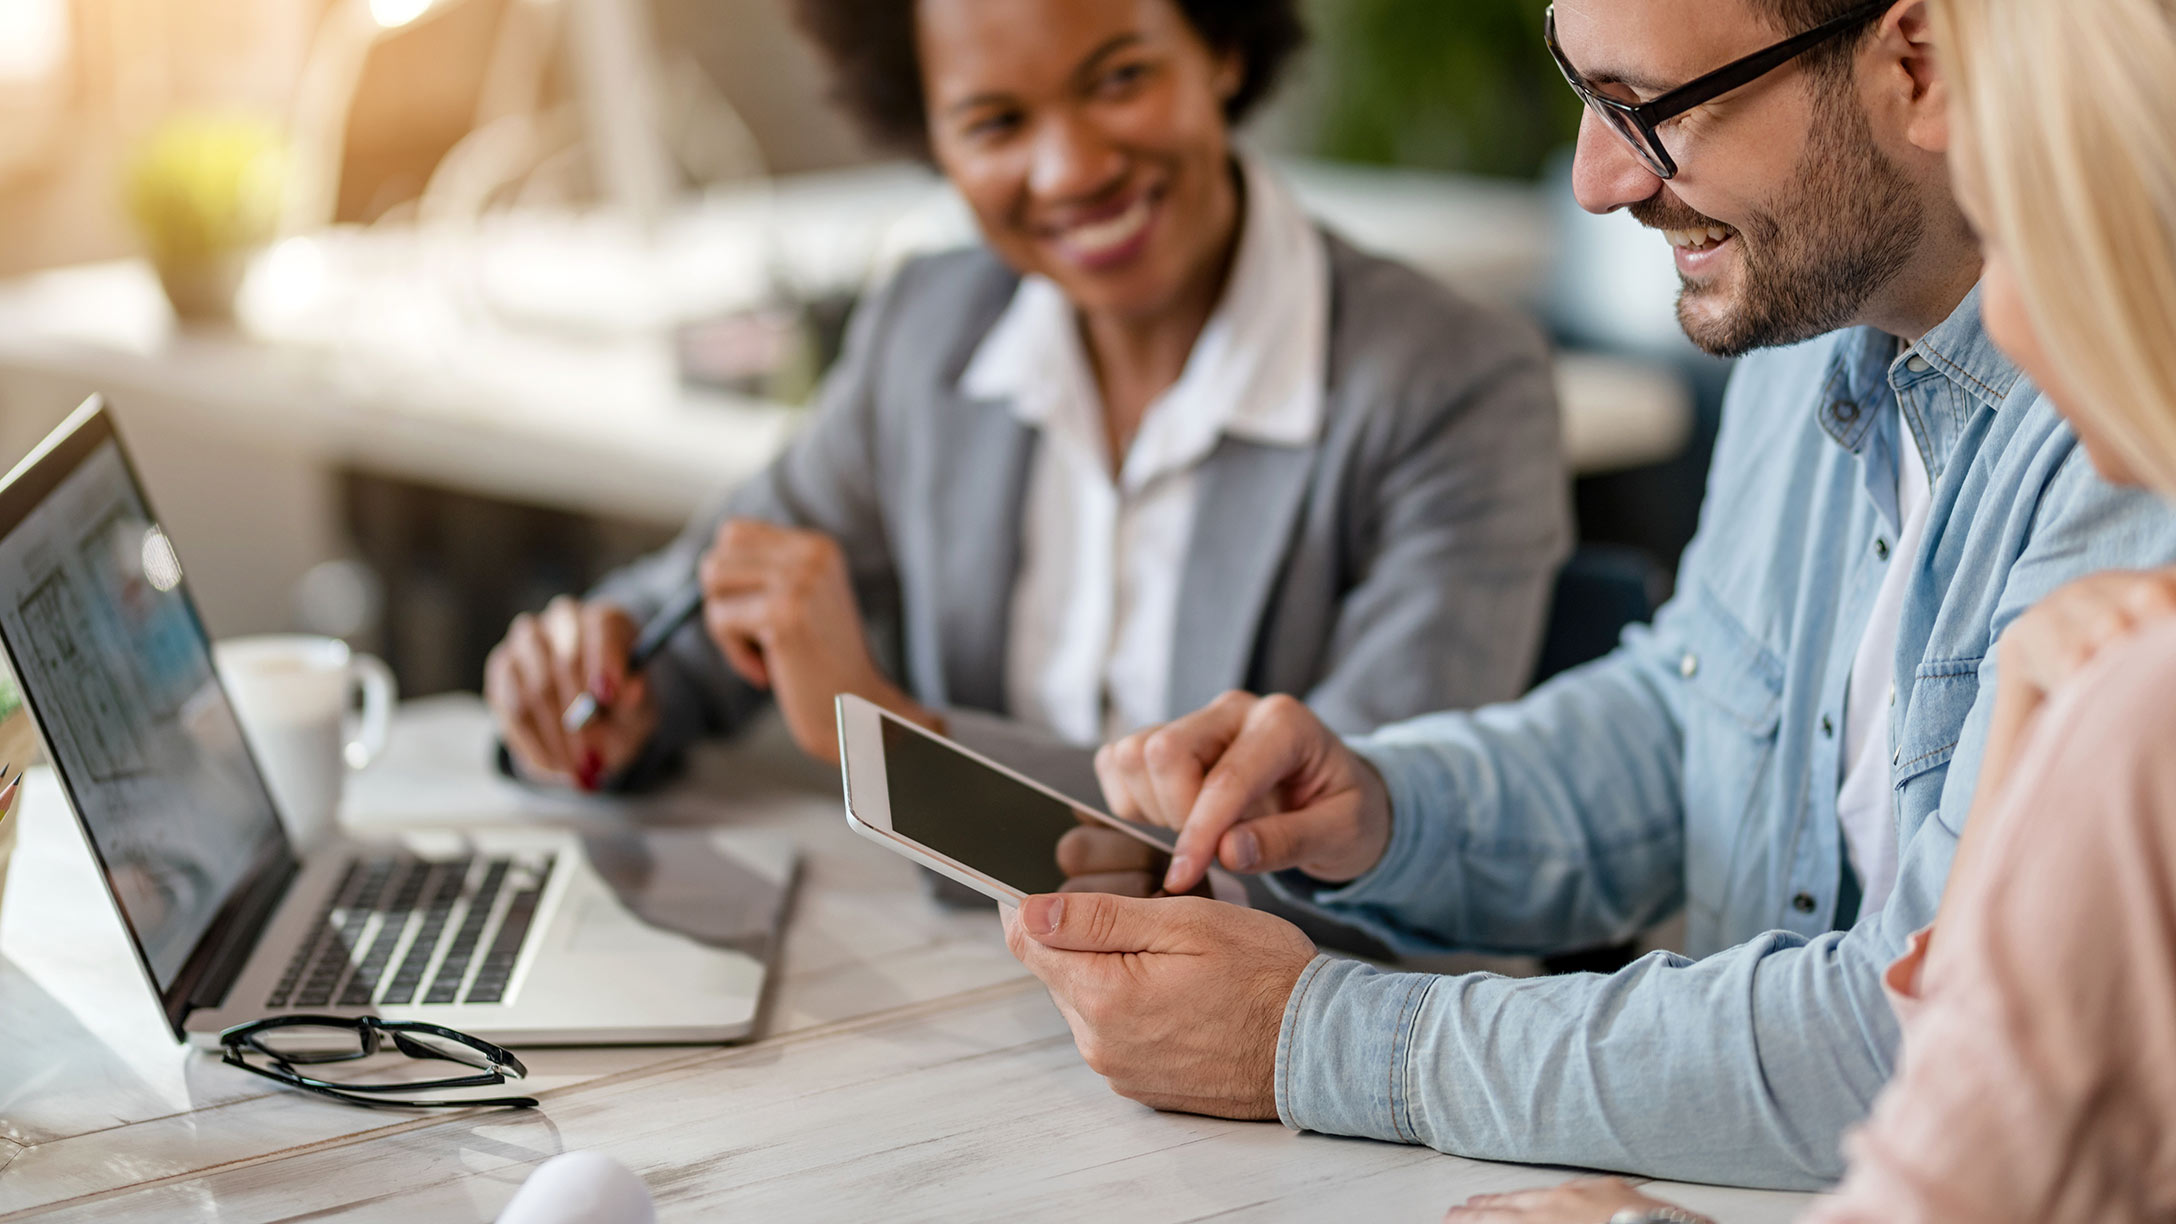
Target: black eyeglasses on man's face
column 1640, row 123
column 278, row 1047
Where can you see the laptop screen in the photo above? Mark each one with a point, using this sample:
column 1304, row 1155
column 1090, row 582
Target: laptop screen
column 114, row 663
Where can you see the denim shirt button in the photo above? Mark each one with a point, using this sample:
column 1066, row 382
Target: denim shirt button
column 1689, row 666
column 1918, row 365
column 1803, row 903
column 1846, row 411
column 1881, row 548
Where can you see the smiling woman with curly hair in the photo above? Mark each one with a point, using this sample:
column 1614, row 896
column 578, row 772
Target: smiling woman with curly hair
column 1157, row 436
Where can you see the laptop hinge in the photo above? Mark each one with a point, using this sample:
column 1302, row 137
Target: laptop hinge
column 241, row 935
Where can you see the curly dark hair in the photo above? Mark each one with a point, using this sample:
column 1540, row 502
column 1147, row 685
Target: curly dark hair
column 877, row 74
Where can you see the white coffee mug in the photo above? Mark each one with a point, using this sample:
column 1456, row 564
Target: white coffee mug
column 293, row 694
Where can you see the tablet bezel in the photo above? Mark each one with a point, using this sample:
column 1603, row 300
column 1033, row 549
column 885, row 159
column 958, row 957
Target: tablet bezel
column 868, row 795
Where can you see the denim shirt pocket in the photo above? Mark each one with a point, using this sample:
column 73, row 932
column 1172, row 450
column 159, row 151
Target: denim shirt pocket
column 1735, row 704
column 1943, row 693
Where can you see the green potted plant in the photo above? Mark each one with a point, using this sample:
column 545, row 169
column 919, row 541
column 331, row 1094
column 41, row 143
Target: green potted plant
column 205, row 191
column 1466, row 85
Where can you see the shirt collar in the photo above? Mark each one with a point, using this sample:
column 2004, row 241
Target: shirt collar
column 1872, row 371
column 1962, row 349
column 1258, row 371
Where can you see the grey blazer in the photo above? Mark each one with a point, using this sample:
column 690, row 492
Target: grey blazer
column 1400, row 565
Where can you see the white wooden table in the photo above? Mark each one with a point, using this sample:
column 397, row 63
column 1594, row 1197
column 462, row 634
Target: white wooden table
column 908, row 1068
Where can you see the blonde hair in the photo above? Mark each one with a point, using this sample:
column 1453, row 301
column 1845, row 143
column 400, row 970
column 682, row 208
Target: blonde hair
column 2068, row 145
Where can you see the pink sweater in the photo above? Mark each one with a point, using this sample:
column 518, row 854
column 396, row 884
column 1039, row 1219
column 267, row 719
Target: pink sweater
column 2038, row 1077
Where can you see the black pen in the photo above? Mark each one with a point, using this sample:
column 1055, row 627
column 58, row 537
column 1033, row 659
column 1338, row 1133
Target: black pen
column 677, row 612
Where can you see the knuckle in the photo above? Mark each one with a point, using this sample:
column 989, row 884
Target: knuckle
column 719, row 627
column 1225, row 783
column 1093, row 1052
column 1080, row 851
column 1096, row 1010
column 1128, row 754
column 1163, row 749
column 1098, row 918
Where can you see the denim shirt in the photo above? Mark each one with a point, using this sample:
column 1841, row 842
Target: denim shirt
column 1696, row 768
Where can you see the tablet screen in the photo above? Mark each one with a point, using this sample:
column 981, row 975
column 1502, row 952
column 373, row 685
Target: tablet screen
column 973, row 814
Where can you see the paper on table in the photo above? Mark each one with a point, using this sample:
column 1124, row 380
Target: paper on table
column 580, row 1188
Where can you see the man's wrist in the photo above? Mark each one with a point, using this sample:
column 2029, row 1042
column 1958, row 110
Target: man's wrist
column 1377, row 811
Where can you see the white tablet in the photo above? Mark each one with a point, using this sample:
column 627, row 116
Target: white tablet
column 953, row 811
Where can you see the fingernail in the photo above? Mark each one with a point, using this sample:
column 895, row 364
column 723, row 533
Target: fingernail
column 1246, row 850
column 1042, row 914
column 1182, row 867
column 586, row 777
column 592, row 763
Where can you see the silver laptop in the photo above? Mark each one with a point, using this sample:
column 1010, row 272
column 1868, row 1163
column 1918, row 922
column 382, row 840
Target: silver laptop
column 533, row 937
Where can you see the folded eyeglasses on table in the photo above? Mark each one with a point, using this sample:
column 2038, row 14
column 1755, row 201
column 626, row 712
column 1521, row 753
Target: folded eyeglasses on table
column 280, row 1047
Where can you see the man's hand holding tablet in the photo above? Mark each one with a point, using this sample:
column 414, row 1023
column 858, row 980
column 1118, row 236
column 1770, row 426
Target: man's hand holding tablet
column 1177, row 1001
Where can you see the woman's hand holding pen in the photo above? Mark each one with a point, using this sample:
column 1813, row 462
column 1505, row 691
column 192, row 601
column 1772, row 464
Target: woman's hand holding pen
column 778, row 603
column 545, row 663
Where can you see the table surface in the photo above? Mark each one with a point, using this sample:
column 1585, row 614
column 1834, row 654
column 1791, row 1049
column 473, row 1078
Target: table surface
column 908, row 1067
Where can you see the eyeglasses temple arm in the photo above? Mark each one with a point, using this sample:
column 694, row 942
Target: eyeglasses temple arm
column 1703, row 90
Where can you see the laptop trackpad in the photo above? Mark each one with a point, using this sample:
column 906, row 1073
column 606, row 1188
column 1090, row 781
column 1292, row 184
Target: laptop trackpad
column 718, row 890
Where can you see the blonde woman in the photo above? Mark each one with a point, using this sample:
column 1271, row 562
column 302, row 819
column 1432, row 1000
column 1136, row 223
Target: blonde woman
column 2038, row 1080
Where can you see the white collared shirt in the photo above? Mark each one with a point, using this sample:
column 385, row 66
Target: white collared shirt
column 1096, row 601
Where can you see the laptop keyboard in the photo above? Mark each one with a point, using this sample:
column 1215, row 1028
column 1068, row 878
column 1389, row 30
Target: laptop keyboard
column 423, row 919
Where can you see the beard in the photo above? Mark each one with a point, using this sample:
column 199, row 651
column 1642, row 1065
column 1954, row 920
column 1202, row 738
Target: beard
column 1808, row 267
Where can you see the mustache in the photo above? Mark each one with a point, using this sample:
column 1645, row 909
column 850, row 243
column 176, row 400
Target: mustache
column 1663, row 213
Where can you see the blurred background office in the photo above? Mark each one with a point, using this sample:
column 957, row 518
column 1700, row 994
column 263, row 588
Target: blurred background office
column 420, row 311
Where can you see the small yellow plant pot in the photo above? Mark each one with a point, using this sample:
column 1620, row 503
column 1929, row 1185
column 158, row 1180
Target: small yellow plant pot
column 205, row 191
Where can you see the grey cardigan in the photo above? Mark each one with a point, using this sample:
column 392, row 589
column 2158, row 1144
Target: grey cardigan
column 1400, row 565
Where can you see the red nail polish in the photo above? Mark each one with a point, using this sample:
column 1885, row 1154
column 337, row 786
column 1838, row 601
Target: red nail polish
column 586, row 777
column 604, row 688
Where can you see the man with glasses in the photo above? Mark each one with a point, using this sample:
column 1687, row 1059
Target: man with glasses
column 1786, row 755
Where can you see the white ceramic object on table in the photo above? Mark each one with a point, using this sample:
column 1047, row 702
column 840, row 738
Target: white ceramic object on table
column 295, row 695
